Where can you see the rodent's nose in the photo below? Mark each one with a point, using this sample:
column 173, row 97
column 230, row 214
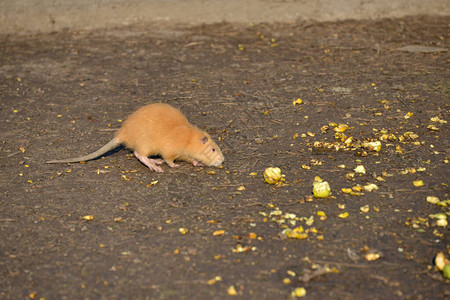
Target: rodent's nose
column 219, row 162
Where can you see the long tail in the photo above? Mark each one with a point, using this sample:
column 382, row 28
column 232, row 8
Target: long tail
column 111, row 145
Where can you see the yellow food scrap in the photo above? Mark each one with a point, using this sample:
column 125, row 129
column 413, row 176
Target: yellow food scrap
column 343, row 215
column 360, row 169
column 218, row 232
column 346, row 190
column 371, row 256
column 298, row 101
column 372, row 146
column 341, row 128
column 291, row 273
column 296, row 233
column 232, row 291
column 433, row 199
column 321, row 188
column 370, row 187
column 252, row 235
column 408, row 115
column 239, row 249
column 272, row 175
column 364, row 208
column 88, row 218
column 440, row 261
column 183, row 230
column 214, row 280
column 418, row 183
column 322, row 216
column 298, row 292
column 357, row 188
column 432, row 127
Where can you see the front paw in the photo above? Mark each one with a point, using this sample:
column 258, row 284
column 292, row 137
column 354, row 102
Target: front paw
column 197, row 163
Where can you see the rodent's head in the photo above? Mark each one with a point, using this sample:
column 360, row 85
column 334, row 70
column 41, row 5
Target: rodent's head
column 209, row 153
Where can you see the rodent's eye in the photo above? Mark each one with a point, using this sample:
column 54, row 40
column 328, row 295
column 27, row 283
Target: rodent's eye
column 213, row 150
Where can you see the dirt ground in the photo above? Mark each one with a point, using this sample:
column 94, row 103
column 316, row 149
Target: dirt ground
column 111, row 229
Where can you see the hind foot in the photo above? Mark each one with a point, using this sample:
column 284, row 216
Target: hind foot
column 171, row 164
column 150, row 163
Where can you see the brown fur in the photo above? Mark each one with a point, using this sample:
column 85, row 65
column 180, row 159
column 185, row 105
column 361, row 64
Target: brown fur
column 161, row 129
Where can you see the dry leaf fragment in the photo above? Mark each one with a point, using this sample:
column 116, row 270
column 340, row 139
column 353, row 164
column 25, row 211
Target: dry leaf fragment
column 422, row 49
column 126, row 178
column 152, row 183
column 324, row 128
column 311, row 274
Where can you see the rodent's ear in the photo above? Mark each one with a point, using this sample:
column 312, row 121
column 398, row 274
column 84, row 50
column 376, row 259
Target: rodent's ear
column 204, row 140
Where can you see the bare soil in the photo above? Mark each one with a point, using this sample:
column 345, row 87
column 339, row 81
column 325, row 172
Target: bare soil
column 63, row 94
